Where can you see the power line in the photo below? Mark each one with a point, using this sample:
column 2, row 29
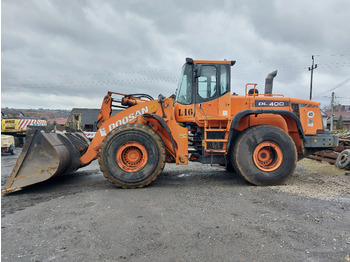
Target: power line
column 290, row 58
column 337, row 86
column 92, row 74
column 335, row 55
column 169, row 70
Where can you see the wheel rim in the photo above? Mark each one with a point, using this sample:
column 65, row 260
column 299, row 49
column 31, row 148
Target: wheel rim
column 267, row 156
column 131, row 156
column 343, row 158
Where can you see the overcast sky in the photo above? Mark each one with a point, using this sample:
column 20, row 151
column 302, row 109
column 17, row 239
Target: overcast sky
column 65, row 54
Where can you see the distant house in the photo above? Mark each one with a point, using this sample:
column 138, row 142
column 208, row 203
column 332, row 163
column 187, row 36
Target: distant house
column 88, row 117
column 324, row 120
column 9, row 112
column 58, row 121
column 340, row 110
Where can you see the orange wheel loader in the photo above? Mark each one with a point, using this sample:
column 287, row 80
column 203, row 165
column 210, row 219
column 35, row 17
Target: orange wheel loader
column 258, row 135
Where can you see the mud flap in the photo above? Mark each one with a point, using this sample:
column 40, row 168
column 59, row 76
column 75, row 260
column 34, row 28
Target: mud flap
column 45, row 155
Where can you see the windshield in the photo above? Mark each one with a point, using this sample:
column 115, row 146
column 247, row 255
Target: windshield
column 184, row 93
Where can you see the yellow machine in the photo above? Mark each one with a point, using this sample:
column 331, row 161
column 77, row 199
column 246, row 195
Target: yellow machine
column 258, row 136
column 75, row 123
column 17, row 127
column 7, row 144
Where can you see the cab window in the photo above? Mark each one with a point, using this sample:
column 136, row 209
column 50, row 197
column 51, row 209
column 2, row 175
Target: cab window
column 224, row 86
column 184, row 94
column 207, row 84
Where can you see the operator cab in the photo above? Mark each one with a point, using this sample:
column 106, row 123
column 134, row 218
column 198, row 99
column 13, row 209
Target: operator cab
column 204, row 107
column 202, row 81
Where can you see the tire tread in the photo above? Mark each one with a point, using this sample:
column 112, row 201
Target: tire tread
column 237, row 165
column 123, row 128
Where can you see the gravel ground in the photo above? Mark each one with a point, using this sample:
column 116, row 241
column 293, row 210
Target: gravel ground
column 318, row 180
column 190, row 213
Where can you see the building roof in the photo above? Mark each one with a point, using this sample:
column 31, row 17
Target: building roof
column 11, row 112
column 345, row 115
column 59, row 121
column 88, row 115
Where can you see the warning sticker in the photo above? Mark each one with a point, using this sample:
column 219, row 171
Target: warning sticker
column 153, row 106
column 103, row 132
column 310, row 122
column 310, row 114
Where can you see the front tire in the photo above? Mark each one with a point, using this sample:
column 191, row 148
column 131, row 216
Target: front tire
column 264, row 155
column 132, row 156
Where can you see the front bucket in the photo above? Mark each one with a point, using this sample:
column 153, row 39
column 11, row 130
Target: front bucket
column 45, row 155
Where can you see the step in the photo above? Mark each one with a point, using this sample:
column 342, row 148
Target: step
column 216, row 140
column 215, row 130
column 215, row 150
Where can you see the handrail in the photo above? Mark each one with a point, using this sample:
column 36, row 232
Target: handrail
column 257, row 94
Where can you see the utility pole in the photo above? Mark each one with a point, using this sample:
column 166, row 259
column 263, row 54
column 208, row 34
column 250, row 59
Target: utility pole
column 313, row 66
column 332, row 111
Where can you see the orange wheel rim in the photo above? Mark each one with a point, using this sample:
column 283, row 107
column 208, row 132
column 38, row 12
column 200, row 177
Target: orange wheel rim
column 267, row 156
column 131, row 156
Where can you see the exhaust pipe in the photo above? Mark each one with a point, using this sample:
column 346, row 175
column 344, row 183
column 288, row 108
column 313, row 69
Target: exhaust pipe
column 269, row 82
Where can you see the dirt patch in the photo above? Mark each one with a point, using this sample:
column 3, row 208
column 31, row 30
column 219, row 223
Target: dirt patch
column 318, row 180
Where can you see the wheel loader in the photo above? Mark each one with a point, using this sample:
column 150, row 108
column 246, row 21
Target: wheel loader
column 259, row 135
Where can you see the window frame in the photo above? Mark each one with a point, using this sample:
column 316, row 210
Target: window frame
column 206, row 88
column 191, row 101
column 219, row 93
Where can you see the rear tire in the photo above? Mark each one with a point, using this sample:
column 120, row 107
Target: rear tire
column 264, row 155
column 132, row 156
column 228, row 165
column 343, row 160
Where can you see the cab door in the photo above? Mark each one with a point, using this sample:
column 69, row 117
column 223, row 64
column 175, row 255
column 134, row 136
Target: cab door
column 212, row 95
column 185, row 101
column 204, row 91
column 207, row 90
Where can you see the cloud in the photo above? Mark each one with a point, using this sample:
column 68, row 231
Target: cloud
column 58, row 54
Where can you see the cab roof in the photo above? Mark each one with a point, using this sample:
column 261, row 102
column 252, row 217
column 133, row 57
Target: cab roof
column 224, row 62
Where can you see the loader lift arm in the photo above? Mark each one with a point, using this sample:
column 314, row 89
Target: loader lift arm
column 159, row 115
column 124, row 101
